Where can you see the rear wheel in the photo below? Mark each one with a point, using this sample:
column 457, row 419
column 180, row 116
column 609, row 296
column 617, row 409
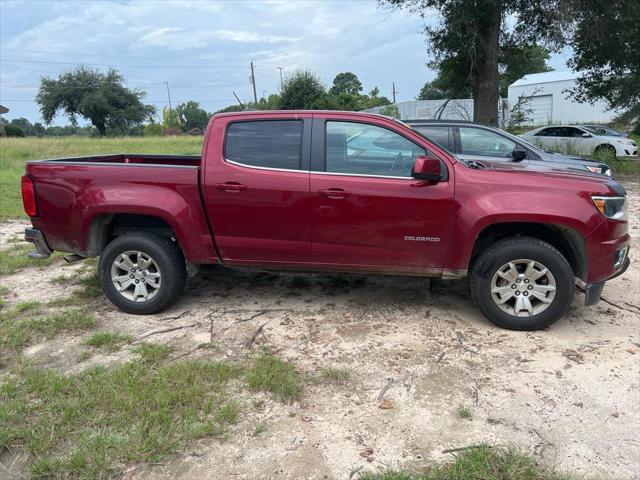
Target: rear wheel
column 522, row 284
column 142, row 272
column 605, row 152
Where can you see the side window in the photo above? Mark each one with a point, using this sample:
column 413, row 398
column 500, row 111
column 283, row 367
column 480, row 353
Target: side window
column 546, row 132
column 481, row 142
column 574, row 132
column 364, row 149
column 438, row 135
column 267, row 143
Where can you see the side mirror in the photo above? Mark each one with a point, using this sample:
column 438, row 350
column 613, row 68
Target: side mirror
column 586, row 135
column 427, row 168
column 518, row 154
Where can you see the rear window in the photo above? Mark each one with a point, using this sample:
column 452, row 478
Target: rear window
column 438, row 135
column 269, row 143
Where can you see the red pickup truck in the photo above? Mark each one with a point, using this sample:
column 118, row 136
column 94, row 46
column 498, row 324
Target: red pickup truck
column 332, row 191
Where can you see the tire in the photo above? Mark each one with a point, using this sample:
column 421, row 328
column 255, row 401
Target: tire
column 605, row 152
column 502, row 292
column 151, row 286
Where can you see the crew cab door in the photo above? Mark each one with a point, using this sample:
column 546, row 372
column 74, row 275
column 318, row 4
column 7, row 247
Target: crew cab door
column 256, row 188
column 367, row 211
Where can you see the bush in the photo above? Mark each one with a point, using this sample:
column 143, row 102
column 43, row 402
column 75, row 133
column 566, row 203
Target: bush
column 13, row 131
column 153, row 129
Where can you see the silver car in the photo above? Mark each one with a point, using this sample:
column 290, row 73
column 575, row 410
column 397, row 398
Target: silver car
column 471, row 141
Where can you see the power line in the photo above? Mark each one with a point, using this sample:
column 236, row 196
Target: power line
column 122, row 65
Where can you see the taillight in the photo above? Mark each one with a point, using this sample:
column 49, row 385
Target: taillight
column 29, row 197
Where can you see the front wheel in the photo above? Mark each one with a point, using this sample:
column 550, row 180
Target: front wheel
column 605, row 152
column 522, row 283
column 142, row 273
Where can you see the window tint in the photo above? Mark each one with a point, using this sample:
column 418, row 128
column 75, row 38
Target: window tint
column 546, row 132
column 369, row 150
column 438, row 135
column 269, row 143
column 481, row 142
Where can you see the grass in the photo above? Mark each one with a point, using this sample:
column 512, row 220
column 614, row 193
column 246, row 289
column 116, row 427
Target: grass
column 269, row 373
column 14, row 152
column 336, row 375
column 107, row 340
column 91, row 288
column 464, row 412
column 152, row 352
column 90, row 425
column 483, row 463
column 21, row 324
column 16, row 258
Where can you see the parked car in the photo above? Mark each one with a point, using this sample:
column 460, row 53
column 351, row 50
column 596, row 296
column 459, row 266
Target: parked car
column 470, row 141
column 582, row 140
column 332, row 191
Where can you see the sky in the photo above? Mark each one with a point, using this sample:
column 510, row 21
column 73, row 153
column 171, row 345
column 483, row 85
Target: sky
column 203, row 49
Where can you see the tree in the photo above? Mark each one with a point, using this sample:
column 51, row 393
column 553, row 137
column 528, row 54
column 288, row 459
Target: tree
column 303, row 90
column 191, row 115
column 606, row 48
column 375, row 100
column 390, row 111
column 346, row 83
column 467, row 40
column 520, row 60
column 430, row 92
column 98, row 97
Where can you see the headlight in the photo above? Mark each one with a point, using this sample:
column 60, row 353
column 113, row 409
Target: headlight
column 592, row 169
column 611, row 207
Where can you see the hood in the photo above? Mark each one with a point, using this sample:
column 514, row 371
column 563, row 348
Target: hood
column 559, row 157
column 550, row 171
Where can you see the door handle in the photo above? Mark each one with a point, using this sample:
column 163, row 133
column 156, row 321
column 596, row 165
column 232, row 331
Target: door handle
column 231, row 187
column 334, row 193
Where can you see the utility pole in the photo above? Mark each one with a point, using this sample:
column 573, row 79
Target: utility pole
column 168, row 95
column 394, row 91
column 253, row 81
column 281, row 84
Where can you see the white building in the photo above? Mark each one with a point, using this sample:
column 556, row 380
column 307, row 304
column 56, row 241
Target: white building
column 548, row 96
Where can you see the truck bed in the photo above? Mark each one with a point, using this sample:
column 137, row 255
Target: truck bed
column 136, row 158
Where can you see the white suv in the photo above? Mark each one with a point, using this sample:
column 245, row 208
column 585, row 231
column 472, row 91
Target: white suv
column 581, row 140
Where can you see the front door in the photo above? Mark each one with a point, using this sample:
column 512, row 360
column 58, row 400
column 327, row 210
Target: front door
column 256, row 190
column 482, row 144
column 367, row 211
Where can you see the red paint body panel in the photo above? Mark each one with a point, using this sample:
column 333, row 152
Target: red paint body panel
column 315, row 221
column 71, row 196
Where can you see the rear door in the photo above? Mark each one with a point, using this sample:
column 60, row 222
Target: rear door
column 441, row 135
column 367, row 211
column 256, row 188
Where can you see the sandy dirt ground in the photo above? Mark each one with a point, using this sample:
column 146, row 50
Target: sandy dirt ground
column 569, row 394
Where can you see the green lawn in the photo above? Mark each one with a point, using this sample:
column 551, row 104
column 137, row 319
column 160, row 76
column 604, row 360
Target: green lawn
column 14, row 152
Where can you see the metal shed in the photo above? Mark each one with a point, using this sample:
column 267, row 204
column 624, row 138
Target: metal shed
column 547, row 94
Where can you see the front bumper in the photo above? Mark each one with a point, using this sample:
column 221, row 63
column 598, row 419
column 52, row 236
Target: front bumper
column 35, row 236
column 593, row 291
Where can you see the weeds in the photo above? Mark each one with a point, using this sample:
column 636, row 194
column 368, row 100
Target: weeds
column 89, row 425
column 464, row 412
column 19, row 325
column 482, row 462
column 336, row 375
column 16, row 258
column 107, row 340
column 271, row 374
column 152, row 352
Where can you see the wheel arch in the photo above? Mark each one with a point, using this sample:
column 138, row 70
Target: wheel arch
column 567, row 240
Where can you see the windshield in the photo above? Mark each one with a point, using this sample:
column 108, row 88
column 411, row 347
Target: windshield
column 598, row 130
